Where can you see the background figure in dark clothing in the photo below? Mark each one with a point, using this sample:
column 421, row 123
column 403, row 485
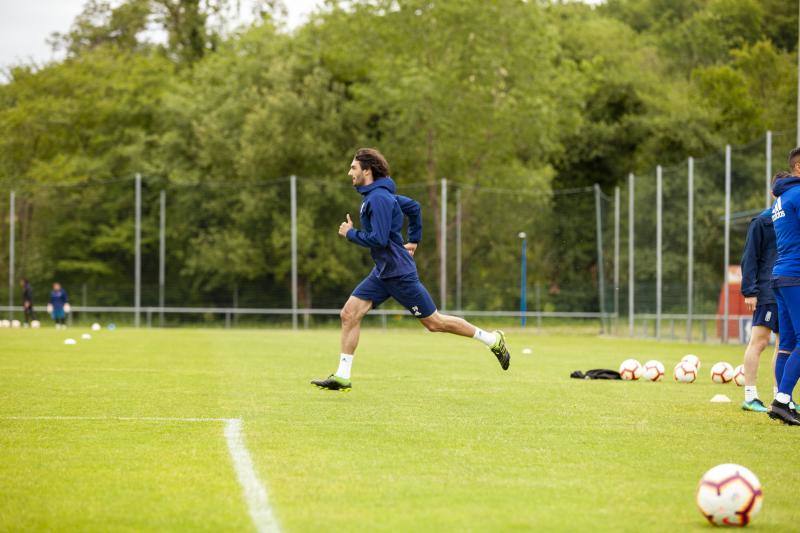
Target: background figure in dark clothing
column 27, row 301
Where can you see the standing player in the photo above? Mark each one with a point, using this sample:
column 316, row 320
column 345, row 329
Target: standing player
column 27, row 301
column 58, row 306
column 757, row 262
column 786, row 284
column 395, row 273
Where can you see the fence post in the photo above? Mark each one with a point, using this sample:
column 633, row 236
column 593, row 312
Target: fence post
column 768, row 193
column 631, row 255
column 458, row 249
column 11, row 259
column 293, row 194
column 601, row 288
column 727, row 241
column 443, row 258
column 690, row 254
column 162, row 251
column 616, row 257
column 659, row 228
column 137, row 298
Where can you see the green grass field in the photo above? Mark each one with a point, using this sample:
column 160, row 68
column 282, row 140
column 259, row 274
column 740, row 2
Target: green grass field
column 433, row 437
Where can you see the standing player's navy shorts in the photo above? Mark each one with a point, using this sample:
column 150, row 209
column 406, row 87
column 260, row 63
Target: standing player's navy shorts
column 407, row 289
column 766, row 315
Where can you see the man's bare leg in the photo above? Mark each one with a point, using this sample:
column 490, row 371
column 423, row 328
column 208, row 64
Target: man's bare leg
column 759, row 340
column 352, row 313
column 438, row 322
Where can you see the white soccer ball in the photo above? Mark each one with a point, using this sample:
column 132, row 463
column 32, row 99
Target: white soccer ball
column 729, row 495
column 36, row 324
column 685, row 372
column 630, row 370
column 70, row 341
column 692, row 360
column 86, row 336
column 738, row 375
column 5, row 323
column 653, row 370
column 95, row 327
column 721, row 372
column 15, row 323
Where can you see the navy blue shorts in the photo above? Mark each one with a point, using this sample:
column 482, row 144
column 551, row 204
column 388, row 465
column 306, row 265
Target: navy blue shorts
column 766, row 315
column 408, row 290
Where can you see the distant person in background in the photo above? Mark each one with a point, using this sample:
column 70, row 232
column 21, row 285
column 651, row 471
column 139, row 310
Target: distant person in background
column 27, row 301
column 757, row 261
column 58, row 306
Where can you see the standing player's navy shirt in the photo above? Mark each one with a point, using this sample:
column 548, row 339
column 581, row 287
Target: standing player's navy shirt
column 58, row 299
column 382, row 214
column 786, row 221
column 758, row 259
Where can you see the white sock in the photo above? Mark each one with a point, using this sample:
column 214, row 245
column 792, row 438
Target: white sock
column 486, row 337
column 750, row 393
column 345, row 362
column 783, row 397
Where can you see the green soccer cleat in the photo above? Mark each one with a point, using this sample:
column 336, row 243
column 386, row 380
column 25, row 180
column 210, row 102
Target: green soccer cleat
column 333, row 382
column 500, row 351
column 755, row 405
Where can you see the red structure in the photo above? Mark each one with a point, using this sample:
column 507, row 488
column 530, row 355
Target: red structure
column 736, row 303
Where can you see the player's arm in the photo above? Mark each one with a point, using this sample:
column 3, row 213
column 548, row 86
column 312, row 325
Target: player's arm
column 750, row 264
column 379, row 212
column 412, row 210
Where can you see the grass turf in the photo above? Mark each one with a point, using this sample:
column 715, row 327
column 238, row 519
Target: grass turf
column 434, row 436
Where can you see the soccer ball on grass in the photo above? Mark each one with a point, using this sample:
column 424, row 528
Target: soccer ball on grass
column 685, row 372
column 738, row 375
column 721, row 372
column 729, row 495
column 653, row 370
column 630, row 370
column 692, row 360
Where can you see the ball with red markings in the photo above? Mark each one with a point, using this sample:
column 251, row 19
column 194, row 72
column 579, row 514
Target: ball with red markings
column 653, row 370
column 630, row 370
column 692, row 359
column 721, row 372
column 738, row 375
column 729, row 495
column 685, row 372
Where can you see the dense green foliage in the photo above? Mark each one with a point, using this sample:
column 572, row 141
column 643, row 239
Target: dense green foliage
column 499, row 96
column 433, row 437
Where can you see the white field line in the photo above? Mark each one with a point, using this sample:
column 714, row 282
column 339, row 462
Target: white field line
column 255, row 493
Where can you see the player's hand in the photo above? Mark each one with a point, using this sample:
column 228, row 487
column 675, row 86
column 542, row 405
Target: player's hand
column 411, row 247
column 346, row 226
column 751, row 302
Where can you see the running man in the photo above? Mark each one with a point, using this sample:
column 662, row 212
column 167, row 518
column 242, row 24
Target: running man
column 395, row 273
column 58, row 306
column 786, row 285
column 757, row 262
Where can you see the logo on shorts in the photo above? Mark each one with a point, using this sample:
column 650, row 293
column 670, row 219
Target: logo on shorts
column 415, row 310
column 768, row 316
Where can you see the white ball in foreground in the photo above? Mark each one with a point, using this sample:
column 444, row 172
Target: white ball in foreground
column 630, row 370
column 5, row 323
column 685, row 372
column 692, row 360
column 86, row 336
column 738, row 375
column 721, row 372
column 729, row 495
column 70, row 341
column 15, row 323
column 95, row 327
column 36, row 324
column 653, row 370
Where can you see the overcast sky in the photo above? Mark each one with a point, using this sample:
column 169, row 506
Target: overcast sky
column 25, row 25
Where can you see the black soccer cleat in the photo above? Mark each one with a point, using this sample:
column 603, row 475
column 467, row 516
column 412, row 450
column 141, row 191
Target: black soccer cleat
column 780, row 411
column 333, row 382
column 500, row 351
